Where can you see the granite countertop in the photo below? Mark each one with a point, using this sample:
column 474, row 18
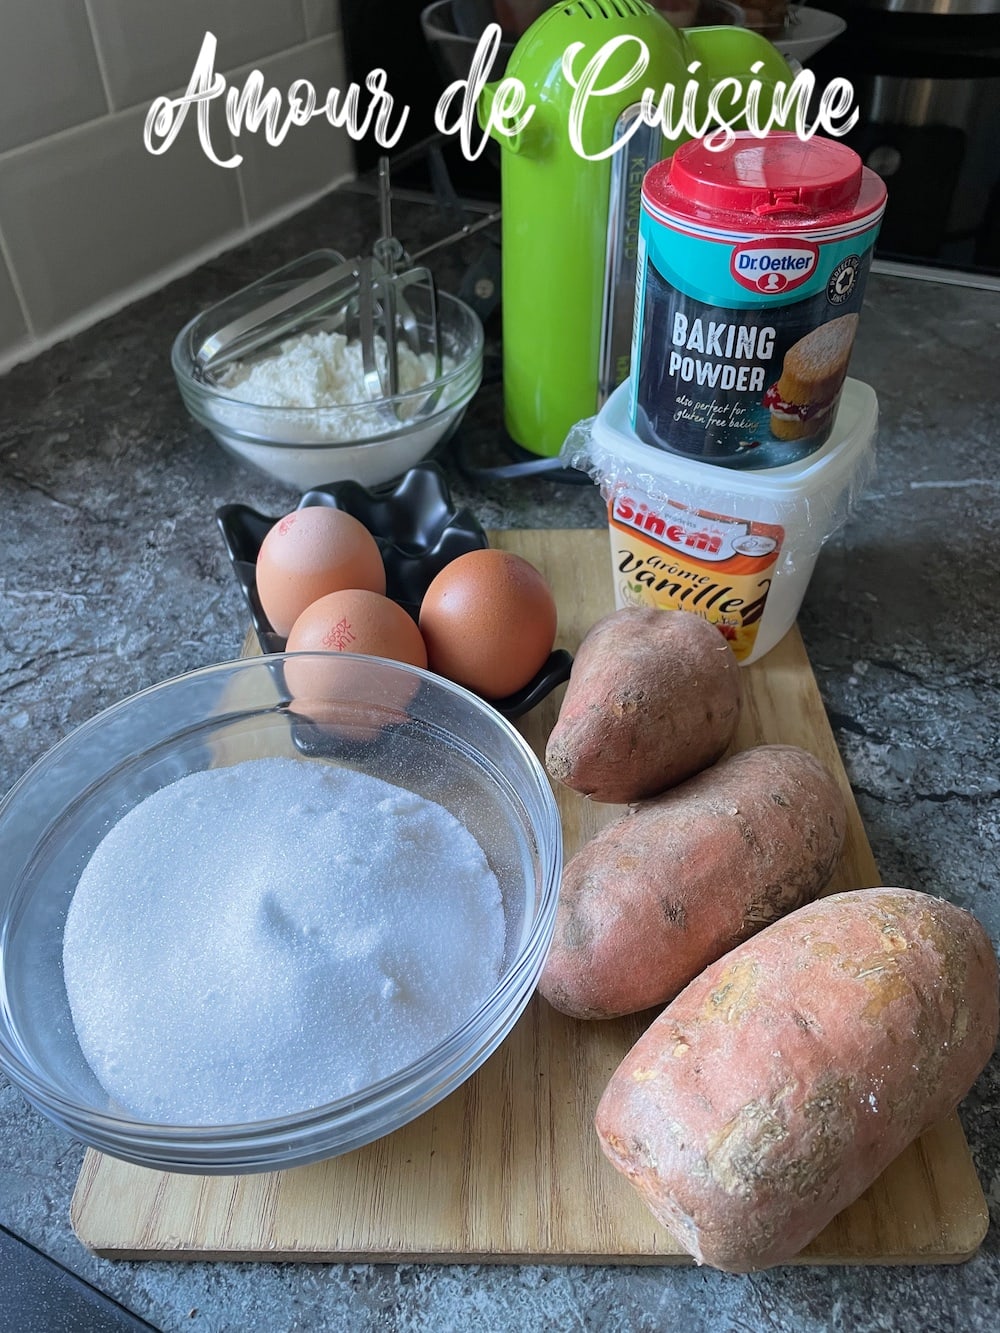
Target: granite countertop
column 112, row 577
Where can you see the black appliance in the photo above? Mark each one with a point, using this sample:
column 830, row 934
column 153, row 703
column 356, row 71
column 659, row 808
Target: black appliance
column 926, row 75
column 387, row 34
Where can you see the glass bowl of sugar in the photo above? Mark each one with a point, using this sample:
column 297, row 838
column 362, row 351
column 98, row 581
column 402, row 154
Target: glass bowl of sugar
column 300, row 409
column 269, row 911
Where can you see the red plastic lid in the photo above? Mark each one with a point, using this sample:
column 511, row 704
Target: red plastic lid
column 776, row 179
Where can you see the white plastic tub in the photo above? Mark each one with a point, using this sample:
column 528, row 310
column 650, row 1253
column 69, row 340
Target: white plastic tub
column 737, row 548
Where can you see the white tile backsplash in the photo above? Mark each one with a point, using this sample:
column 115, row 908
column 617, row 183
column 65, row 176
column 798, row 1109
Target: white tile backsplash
column 150, row 48
column 311, row 156
column 88, row 218
column 89, row 213
column 13, row 329
column 322, row 17
column 49, row 75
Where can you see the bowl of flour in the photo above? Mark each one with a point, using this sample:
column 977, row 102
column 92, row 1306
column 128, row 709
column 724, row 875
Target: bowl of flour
column 241, row 931
column 298, row 410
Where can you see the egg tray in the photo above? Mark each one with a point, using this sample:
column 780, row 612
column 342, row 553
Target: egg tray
column 418, row 530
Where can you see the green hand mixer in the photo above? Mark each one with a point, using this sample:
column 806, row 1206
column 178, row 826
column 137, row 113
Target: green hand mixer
column 570, row 223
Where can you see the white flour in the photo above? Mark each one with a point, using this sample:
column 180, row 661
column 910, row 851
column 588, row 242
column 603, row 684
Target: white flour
column 277, row 416
column 257, row 940
column 324, row 370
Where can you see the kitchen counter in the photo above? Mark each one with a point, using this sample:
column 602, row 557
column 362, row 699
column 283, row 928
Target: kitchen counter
column 113, row 576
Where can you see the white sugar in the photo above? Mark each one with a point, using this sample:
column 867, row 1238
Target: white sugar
column 257, row 940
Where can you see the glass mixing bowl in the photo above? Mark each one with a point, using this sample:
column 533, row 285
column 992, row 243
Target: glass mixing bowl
column 381, row 718
column 369, row 442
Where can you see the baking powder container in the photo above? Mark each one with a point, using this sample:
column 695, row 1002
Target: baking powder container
column 751, row 273
column 737, row 548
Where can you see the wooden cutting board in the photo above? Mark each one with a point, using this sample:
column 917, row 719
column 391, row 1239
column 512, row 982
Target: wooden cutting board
column 508, row 1167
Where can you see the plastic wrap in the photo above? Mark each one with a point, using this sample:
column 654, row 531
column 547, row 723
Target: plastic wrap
column 746, row 541
column 820, row 516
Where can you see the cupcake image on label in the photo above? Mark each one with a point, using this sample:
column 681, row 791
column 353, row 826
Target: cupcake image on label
column 802, row 400
column 750, row 276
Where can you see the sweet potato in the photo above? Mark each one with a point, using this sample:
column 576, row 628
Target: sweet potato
column 782, row 1081
column 653, row 698
column 680, row 880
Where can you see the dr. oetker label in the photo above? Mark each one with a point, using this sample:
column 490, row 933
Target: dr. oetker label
column 751, row 274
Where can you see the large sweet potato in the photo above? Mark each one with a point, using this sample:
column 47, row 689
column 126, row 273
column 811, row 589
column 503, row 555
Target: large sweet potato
column 654, row 696
column 782, row 1081
column 678, row 881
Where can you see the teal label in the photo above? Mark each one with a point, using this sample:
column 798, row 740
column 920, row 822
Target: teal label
column 741, row 344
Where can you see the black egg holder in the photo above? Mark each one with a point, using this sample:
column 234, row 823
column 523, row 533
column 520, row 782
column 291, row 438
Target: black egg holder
column 418, row 529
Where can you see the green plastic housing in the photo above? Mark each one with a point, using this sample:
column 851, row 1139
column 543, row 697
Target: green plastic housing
column 555, row 201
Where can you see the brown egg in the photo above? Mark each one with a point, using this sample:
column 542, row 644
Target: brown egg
column 489, row 622
column 358, row 621
column 356, row 697
column 311, row 552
